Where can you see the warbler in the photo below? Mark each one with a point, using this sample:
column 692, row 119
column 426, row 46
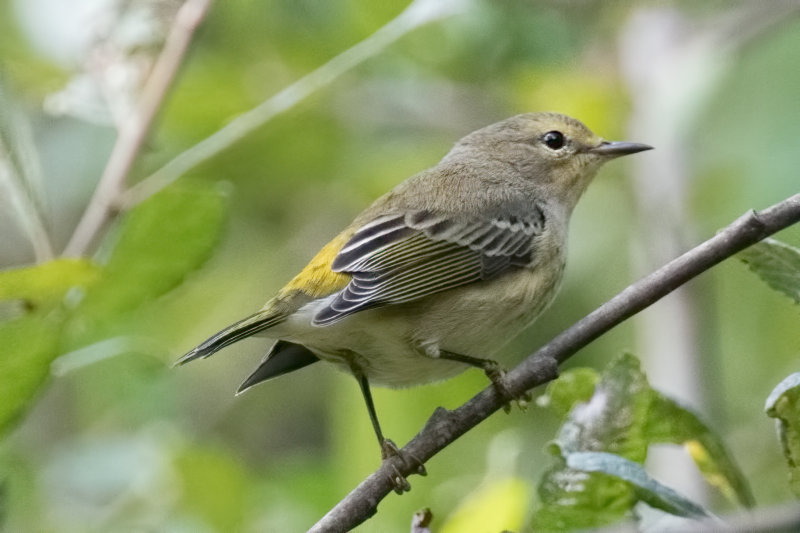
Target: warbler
column 440, row 272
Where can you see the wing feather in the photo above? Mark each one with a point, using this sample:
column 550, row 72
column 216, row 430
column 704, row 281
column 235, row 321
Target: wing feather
column 403, row 257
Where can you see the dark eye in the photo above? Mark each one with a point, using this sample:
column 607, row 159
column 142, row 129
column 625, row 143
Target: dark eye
column 554, row 140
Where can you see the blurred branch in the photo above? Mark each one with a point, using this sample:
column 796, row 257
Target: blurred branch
column 658, row 43
column 744, row 26
column 131, row 136
column 444, row 426
column 418, row 13
column 20, row 175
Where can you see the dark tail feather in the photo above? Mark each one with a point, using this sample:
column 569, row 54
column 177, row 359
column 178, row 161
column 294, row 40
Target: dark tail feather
column 235, row 332
column 284, row 357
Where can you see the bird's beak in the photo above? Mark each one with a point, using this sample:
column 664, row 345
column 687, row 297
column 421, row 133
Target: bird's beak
column 618, row 148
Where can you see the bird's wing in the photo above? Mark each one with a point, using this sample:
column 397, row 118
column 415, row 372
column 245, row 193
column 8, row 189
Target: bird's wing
column 403, row 257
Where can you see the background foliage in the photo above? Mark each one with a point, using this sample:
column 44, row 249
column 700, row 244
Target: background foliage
column 100, row 433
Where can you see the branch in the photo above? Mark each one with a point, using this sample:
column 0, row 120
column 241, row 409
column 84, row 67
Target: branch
column 131, row 137
column 444, row 426
column 418, row 13
column 21, row 175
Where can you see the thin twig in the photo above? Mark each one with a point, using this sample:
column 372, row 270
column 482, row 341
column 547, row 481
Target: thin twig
column 445, row 426
column 418, row 13
column 21, row 176
column 131, row 137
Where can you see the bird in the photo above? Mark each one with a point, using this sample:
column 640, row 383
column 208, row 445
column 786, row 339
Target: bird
column 441, row 271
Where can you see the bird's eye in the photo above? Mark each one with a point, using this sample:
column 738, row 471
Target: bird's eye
column 553, row 140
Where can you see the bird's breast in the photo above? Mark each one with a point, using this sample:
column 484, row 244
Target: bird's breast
column 393, row 344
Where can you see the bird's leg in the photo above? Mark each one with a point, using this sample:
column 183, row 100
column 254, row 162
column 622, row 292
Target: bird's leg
column 494, row 372
column 388, row 447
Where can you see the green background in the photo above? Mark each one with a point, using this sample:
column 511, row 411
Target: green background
column 117, row 440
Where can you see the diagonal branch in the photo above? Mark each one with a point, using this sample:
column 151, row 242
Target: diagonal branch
column 21, row 175
column 445, row 426
column 418, row 13
column 134, row 132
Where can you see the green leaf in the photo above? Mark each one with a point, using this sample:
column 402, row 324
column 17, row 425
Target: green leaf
column 646, row 488
column 29, row 344
column 157, row 244
column 572, row 499
column 614, row 418
column 777, row 263
column 46, row 283
column 783, row 404
column 573, row 386
column 621, row 419
column 671, row 422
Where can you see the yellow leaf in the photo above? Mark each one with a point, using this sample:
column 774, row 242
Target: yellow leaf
column 594, row 100
column 46, row 283
column 498, row 505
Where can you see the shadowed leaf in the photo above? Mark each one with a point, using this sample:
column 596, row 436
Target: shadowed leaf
column 604, row 440
column 777, row 263
column 646, row 488
column 783, row 404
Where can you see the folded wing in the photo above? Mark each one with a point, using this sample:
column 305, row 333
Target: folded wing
column 403, row 257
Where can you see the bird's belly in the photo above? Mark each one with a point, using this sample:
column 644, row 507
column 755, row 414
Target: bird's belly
column 396, row 345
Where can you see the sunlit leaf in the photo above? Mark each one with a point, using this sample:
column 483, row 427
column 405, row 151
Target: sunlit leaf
column 576, row 94
column 646, row 488
column 614, row 418
column 783, row 404
column 572, row 499
column 671, row 422
column 777, row 263
column 621, row 419
column 157, row 244
column 29, row 343
column 498, row 505
column 46, row 283
column 573, row 386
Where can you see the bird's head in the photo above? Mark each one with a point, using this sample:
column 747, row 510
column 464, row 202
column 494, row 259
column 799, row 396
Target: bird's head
column 553, row 152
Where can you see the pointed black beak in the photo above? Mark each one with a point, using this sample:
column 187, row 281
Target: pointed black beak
column 619, row 148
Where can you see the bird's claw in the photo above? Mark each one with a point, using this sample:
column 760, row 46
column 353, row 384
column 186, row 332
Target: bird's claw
column 497, row 375
column 399, row 482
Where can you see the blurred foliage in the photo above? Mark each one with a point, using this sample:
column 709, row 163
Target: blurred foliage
column 783, row 404
column 157, row 244
column 498, row 505
column 72, row 303
column 113, row 439
column 598, row 478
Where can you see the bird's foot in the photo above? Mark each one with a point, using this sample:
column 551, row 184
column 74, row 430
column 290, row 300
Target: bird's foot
column 497, row 375
column 388, row 450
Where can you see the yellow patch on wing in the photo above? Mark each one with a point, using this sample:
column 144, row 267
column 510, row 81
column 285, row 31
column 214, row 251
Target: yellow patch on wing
column 317, row 279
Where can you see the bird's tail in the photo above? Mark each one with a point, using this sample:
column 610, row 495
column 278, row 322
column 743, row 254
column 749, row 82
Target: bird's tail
column 246, row 327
